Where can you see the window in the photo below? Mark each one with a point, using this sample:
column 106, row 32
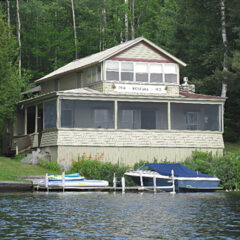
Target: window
column 156, row 73
column 112, row 73
column 170, row 72
column 127, row 71
column 98, row 73
column 141, row 70
column 56, row 84
column 191, row 120
column 144, row 72
column 93, row 74
column 79, row 79
column 89, row 75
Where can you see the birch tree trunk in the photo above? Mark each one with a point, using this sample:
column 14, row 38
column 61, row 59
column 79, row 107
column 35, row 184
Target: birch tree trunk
column 74, row 30
column 19, row 38
column 9, row 20
column 133, row 18
column 121, row 33
column 126, row 21
column 225, row 43
column 103, row 27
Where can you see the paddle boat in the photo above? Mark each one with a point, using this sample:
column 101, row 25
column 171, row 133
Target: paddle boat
column 184, row 178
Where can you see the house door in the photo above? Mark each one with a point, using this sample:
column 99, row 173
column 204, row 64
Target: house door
column 148, row 119
column 40, row 123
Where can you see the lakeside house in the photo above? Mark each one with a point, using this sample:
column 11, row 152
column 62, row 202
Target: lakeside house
column 126, row 102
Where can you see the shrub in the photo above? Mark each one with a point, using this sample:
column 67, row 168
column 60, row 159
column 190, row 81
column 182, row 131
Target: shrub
column 50, row 165
column 226, row 168
column 93, row 168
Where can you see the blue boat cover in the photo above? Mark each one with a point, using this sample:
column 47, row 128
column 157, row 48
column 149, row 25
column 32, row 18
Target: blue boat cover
column 179, row 170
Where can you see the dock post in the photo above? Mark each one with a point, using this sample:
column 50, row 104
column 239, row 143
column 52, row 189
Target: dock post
column 63, row 181
column 173, row 183
column 154, row 184
column 46, row 181
column 16, row 150
column 123, row 184
column 114, row 182
column 141, row 180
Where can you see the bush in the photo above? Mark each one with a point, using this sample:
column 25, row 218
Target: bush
column 94, row 168
column 50, row 165
column 226, row 168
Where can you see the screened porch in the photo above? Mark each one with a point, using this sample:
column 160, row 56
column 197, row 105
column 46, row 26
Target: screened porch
column 97, row 114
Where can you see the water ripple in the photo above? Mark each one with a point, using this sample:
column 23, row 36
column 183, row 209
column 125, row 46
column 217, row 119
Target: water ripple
column 116, row 216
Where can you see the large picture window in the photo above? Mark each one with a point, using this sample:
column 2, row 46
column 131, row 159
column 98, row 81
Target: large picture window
column 144, row 72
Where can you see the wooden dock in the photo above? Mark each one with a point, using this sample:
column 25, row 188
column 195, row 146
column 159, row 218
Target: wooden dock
column 95, row 189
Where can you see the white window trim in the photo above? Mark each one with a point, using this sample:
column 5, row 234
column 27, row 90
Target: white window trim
column 148, row 66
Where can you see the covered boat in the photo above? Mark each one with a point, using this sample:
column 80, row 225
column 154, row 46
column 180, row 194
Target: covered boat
column 185, row 179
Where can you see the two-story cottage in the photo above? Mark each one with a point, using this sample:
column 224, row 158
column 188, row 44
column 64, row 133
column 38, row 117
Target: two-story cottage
column 125, row 102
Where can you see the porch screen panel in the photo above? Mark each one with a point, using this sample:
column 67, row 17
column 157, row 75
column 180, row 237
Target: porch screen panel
column 137, row 115
column 202, row 117
column 87, row 114
column 50, row 114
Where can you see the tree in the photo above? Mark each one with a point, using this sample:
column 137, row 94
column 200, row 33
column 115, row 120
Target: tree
column 10, row 82
column 19, row 38
column 74, row 30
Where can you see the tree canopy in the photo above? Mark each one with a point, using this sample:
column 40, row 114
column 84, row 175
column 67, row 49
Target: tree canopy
column 52, row 35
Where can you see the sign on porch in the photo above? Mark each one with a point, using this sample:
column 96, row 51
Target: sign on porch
column 134, row 88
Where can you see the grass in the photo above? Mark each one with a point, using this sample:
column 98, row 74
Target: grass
column 232, row 147
column 11, row 169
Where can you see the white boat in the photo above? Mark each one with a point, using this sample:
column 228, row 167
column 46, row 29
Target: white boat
column 185, row 179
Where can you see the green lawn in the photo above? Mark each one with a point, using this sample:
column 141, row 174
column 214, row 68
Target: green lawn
column 10, row 169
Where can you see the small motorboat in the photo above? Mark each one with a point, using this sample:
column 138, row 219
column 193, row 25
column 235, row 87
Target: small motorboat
column 72, row 181
column 184, row 178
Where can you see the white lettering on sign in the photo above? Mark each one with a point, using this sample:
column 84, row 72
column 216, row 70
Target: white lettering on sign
column 133, row 88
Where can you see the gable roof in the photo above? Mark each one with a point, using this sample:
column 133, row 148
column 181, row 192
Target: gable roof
column 103, row 55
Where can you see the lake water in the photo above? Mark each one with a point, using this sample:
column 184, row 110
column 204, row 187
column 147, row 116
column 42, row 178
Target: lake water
column 76, row 215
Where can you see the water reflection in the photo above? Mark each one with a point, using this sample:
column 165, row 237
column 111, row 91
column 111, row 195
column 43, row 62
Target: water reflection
column 116, row 216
